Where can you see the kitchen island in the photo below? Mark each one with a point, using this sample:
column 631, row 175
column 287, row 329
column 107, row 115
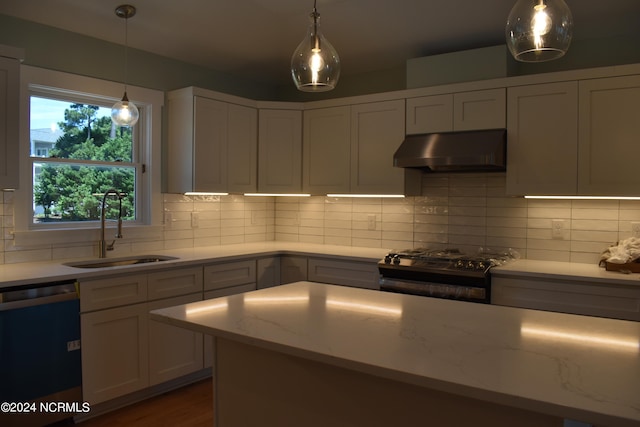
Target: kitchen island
column 316, row 355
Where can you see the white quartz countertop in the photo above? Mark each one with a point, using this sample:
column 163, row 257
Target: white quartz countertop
column 576, row 367
column 47, row 271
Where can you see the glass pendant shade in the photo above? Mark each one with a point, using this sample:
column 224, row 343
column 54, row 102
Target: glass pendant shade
column 315, row 65
column 125, row 113
column 539, row 30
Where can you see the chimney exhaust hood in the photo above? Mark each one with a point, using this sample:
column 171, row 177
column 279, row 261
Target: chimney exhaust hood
column 468, row 151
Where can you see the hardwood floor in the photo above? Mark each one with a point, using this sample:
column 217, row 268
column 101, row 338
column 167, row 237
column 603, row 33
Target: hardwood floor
column 190, row 406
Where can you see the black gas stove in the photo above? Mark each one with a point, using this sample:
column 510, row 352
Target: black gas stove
column 440, row 273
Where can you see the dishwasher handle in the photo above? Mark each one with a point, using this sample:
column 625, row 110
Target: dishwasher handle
column 40, row 294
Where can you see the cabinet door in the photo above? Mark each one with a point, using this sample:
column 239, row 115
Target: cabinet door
column 173, row 351
column 242, row 149
column 115, row 350
column 609, row 136
column 280, row 151
column 210, row 145
column 483, row 109
column 542, row 139
column 428, row 114
column 326, row 150
column 292, row 269
column 377, row 130
column 9, row 108
column 268, row 272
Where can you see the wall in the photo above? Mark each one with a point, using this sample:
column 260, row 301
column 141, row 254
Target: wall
column 466, row 211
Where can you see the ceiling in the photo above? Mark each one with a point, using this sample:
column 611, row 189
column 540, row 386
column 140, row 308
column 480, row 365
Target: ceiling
column 255, row 38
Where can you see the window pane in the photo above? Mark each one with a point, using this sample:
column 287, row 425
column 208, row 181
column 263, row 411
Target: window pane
column 72, row 192
column 68, row 130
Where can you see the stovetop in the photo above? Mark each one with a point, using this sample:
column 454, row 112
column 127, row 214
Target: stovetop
column 451, row 260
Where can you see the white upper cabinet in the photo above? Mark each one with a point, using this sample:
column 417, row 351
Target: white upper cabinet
column 242, row 149
column 349, row 149
column 377, row 130
column 476, row 110
column 542, row 139
column 213, row 144
column 574, row 138
column 609, row 117
column 326, row 148
column 429, row 114
column 280, row 151
column 9, row 107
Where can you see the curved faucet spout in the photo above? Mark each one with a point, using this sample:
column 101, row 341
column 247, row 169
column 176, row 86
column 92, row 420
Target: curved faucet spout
column 103, row 247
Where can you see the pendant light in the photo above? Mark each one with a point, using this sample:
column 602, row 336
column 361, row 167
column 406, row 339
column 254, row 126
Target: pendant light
column 125, row 113
column 539, row 30
column 315, row 65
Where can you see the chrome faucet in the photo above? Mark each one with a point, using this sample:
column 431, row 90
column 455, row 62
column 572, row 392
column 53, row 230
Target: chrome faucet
column 102, row 246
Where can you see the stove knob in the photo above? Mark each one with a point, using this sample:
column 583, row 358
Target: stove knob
column 471, row 265
column 387, row 259
column 396, row 259
column 459, row 264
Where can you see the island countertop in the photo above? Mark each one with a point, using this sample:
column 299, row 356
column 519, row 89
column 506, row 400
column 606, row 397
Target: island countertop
column 575, row 367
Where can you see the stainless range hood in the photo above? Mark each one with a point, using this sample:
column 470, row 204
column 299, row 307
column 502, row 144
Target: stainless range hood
column 469, row 151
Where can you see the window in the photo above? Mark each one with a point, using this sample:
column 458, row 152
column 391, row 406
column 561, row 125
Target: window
column 77, row 154
column 71, row 155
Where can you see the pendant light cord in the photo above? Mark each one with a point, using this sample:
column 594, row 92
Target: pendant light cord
column 126, row 52
column 316, row 39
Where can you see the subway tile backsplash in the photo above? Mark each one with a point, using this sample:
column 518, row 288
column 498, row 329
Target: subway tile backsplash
column 465, row 211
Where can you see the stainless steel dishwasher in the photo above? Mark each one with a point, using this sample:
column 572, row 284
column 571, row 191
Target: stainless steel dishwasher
column 40, row 365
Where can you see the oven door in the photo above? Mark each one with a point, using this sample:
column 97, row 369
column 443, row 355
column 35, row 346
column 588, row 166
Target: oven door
column 435, row 290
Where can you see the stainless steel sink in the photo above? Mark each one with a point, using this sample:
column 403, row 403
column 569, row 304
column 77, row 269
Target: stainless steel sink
column 117, row 262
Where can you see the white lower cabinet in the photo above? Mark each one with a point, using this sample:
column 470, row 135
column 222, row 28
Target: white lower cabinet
column 115, row 351
column 565, row 296
column 122, row 350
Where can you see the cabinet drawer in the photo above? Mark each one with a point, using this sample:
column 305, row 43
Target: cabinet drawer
column 221, row 276
column 348, row 273
column 566, row 297
column 217, row 293
column 112, row 292
column 171, row 283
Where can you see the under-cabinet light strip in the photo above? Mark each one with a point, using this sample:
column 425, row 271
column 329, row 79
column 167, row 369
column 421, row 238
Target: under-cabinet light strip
column 276, row 195
column 582, row 197
column 204, row 193
column 367, row 195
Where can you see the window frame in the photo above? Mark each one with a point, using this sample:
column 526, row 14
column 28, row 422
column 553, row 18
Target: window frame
column 71, row 87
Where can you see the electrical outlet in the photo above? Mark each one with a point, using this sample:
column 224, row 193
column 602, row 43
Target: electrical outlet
column 371, row 222
column 195, row 219
column 73, row 345
column 254, row 217
column 557, row 228
column 635, row 229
